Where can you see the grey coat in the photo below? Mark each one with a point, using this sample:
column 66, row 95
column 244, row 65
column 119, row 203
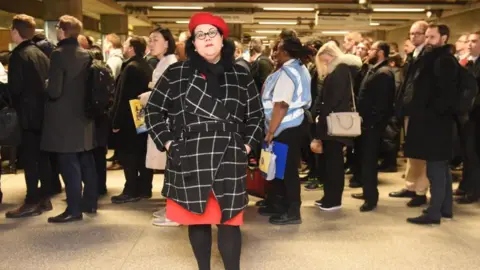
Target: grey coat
column 66, row 129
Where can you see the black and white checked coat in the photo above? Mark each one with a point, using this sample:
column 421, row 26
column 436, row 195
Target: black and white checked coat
column 208, row 136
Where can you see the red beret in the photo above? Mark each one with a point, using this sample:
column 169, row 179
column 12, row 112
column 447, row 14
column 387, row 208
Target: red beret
column 208, row 18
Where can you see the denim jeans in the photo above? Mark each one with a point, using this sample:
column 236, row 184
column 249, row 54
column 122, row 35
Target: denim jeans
column 440, row 177
column 74, row 168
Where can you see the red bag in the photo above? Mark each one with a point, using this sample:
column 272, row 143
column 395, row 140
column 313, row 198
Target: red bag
column 256, row 184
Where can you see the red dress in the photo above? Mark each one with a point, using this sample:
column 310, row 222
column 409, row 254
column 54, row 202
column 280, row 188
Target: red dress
column 212, row 214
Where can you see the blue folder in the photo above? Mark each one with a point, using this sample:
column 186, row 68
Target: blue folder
column 280, row 150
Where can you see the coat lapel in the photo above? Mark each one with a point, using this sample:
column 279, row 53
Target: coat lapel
column 199, row 103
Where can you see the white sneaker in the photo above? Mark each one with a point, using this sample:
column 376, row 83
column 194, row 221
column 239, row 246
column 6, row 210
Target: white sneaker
column 164, row 222
column 330, row 208
column 160, row 213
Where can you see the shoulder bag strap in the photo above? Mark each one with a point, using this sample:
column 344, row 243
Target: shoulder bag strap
column 353, row 94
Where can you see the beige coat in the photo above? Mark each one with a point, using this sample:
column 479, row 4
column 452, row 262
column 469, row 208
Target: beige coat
column 156, row 160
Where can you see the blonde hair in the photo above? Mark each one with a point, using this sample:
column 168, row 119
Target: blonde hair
column 329, row 48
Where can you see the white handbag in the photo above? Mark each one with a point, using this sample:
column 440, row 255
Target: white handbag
column 345, row 124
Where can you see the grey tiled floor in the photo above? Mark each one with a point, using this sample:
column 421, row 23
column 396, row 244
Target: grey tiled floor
column 122, row 237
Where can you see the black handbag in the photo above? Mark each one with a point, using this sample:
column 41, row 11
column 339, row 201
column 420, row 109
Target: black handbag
column 10, row 131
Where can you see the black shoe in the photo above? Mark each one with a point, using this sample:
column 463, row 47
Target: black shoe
column 403, row 176
column 146, row 196
column 46, row 205
column 124, row 198
column 467, row 199
column 348, row 171
column 271, row 210
column 26, row 210
column 459, row 193
column 64, row 218
column 358, row 196
column 423, row 220
column 261, row 203
column 417, row 201
column 285, row 219
column 404, row 193
column 314, row 185
column 354, row 184
column 368, row 207
column 445, row 216
column 1, row 196
column 319, row 202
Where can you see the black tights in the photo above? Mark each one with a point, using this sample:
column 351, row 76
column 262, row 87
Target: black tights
column 229, row 244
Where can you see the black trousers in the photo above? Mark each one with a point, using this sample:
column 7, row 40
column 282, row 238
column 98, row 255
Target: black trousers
column 368, row 154
column 289, row 187
column 56, row 184
column 471, row 158
column 75, row 169
column 334, row 172
column 37, row 168
column 100, row 157
column 138, row 177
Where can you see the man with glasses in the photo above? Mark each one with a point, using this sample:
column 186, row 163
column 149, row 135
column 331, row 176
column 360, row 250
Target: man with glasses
column 416, row 174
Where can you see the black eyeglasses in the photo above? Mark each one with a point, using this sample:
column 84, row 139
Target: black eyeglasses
column 211, row 33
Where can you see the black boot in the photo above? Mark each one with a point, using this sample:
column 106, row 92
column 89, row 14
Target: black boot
column 291, row 217
column 275, row 205
column 417, row 201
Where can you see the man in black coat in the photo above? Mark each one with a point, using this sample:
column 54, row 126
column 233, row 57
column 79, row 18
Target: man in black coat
column 132, row 147
column 415, row 176
column 471, row 175
column 28, row 72
column 67, row 131
column 430, row 132
column 375, row 105
column 261, row 66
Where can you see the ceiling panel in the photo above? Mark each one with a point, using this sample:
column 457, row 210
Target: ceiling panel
column 327, row 14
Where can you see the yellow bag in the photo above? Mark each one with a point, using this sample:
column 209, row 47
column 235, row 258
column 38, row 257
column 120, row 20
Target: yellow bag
column 265, row 158
column 138, row 115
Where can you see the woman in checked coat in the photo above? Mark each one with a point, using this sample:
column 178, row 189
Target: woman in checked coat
column 214, row 118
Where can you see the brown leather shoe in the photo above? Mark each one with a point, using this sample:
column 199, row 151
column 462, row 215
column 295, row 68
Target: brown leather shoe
column 26, row 210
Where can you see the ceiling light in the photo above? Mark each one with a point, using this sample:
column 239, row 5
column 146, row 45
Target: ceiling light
column 335, row 32
column 288, row 9
column 399, row 9
column 182, row 22
column 279, row 23
column 39, row 30
column 259, row 37
column 374, row 24
column 268, row 31
column 177, row 7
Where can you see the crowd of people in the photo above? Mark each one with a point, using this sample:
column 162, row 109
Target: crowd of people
column 211, row 109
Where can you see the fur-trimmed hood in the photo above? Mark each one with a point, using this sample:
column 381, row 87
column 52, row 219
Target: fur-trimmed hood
column 351, row 60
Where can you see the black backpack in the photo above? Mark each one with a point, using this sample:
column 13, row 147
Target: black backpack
column 101, row 86
column 467, row 91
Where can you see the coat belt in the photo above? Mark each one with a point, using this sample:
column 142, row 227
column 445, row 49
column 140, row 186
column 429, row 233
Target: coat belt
column 184, row 134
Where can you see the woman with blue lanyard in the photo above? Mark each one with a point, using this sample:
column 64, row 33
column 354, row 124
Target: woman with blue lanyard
column 286, row 96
